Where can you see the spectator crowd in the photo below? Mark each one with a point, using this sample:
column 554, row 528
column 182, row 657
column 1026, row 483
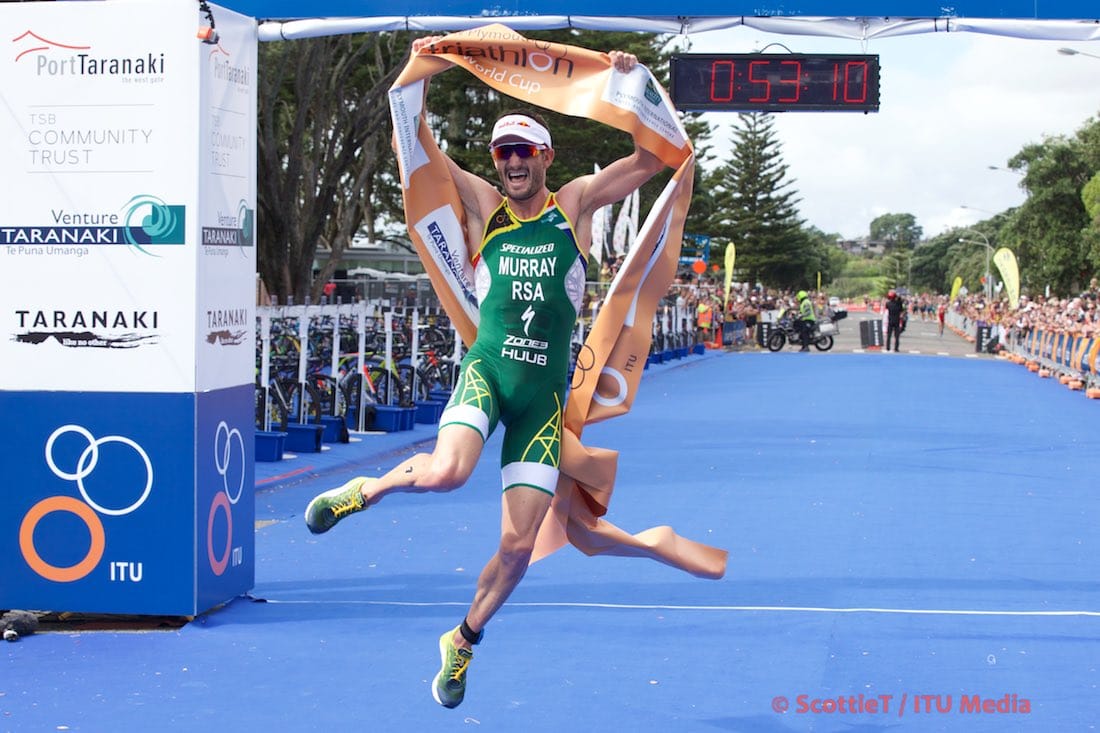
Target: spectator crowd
column 1078, row 315
column 704, row 298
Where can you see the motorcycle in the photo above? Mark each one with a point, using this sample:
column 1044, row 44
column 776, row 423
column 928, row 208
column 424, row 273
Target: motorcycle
column 786, row 331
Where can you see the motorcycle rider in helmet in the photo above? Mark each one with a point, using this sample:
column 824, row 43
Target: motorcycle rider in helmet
column 807, row 319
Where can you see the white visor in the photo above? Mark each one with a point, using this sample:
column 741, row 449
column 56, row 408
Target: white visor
column 520, row 128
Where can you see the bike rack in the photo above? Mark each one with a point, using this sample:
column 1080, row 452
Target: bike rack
column 323, row 331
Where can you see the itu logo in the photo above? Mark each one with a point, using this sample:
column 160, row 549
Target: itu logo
column 229, row 462
column 611, row 388
column 88, row 510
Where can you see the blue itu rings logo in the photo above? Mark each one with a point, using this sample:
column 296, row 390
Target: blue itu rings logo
column 87, row 511
column 229, row 462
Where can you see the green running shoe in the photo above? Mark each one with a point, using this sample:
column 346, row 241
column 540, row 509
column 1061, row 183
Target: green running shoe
column 328, row 508
column 449, row 686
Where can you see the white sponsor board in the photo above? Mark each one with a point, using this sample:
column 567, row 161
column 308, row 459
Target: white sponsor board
column 225, row 334
column 127, row 141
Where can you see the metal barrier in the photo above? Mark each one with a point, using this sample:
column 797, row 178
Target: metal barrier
column 1071, row 358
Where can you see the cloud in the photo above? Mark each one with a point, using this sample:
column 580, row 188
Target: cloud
column 952, row 105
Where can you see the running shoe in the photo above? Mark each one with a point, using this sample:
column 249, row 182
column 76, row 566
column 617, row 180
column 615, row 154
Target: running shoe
column 449, row 686
column 328, row 508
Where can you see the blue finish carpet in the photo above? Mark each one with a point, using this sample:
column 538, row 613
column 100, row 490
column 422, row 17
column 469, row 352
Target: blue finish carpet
column 912, row 547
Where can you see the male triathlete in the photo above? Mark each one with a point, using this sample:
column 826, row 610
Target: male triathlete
column 529, row 275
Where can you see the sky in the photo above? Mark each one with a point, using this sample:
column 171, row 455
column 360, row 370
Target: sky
column 952, row 105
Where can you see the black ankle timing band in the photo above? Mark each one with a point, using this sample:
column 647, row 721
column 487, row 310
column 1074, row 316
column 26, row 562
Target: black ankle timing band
column 468, row 633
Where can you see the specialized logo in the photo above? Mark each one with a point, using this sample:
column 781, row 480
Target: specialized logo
column 229, row 462
column 527, row 317
column 95, row 329
column 537, row 249
column 88, row 510
column 143, row 222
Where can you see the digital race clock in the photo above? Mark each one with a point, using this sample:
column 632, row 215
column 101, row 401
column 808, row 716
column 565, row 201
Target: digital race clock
column 755, row 82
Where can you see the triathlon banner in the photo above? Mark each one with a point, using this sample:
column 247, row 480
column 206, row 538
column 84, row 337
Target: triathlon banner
column 127, row 304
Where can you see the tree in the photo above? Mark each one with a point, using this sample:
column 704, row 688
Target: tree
column 1046, row 231
column 754, row 207
column 323, row 161
column 1089, row 136
column 859, row 277
column 1090, row 237
column 826, row 260
column 896, row 231
column 930, row 268
column 895, row 270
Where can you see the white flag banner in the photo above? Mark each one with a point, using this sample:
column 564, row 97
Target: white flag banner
column 635, row 204
column 620, row 237
column 600, row 220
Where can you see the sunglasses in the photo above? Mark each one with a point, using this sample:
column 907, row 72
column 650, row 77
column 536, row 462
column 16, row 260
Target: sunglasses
column 523, row 150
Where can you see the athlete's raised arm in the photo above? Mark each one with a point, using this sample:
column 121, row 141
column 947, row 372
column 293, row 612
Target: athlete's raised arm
column 479, row 197
column 582, row 196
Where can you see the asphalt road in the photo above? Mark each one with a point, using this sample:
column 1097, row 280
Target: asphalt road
column 920, row 337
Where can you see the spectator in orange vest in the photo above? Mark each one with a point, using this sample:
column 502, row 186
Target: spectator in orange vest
column 704, row 314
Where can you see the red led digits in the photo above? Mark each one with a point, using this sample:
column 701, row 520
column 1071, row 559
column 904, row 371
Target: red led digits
column 843, row 83
column 790, row 76
column 758, row 78
column 787, row 77
column 721, row 81
column 775, row 82
column 861, row 80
